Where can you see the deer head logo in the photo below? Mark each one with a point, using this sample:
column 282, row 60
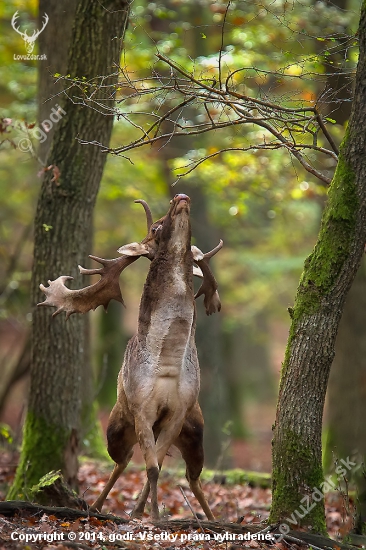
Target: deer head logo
column 29, row 40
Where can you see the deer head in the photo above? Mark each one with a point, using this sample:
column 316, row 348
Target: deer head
column 29, row 40
column 107, row 288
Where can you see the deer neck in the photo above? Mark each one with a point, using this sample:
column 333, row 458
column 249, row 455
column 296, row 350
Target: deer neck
column 167, row 311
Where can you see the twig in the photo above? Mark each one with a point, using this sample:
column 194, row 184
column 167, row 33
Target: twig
column 326, row 133
column 222, row 42
column 190, row 507
column 13, row 507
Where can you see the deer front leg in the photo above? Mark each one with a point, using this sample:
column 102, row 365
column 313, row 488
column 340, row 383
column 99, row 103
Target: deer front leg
column 146, row 440
column 165, row 439
column 138, row 510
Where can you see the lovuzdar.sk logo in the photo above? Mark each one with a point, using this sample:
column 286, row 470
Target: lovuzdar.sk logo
column 29, row 40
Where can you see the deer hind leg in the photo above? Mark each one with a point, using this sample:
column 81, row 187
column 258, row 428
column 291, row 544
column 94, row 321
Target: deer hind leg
column 121, row 439
column 190, row 444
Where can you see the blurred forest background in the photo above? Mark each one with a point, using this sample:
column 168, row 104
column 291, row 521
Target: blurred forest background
column 262, row 203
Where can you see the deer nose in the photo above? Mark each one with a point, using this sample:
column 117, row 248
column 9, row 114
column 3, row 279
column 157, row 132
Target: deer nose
column 181, row 197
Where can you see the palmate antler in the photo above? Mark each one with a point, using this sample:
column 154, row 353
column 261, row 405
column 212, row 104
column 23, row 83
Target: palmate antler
column 90, row 297
column 209, row 284
column 107, row 288
column 101, row 292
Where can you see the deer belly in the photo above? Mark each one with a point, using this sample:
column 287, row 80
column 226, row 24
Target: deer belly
column 168, row 400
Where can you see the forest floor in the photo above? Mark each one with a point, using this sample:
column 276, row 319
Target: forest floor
column 243, row 505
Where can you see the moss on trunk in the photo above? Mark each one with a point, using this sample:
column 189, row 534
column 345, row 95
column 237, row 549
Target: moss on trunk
column 294, row 504
column 40, row 439
column 328, row 274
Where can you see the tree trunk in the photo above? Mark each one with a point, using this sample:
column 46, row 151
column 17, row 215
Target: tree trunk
column 54, row 42
column 63, row 225
column 248, row 373
column 111, row 343
column 346, row 429
column 214, row 399
column 327, row 277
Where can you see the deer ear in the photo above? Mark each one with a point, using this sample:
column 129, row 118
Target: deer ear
column 197, row 253
column 134, row 249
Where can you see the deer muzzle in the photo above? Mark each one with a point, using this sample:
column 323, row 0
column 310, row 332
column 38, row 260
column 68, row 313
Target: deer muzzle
column 181, row 202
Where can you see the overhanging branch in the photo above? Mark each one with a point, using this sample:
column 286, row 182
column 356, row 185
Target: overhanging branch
column 166, row 105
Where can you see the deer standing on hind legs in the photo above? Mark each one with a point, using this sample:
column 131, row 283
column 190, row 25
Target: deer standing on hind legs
column 158, row 384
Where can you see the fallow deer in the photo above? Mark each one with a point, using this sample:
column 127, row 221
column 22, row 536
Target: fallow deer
column 158, row 383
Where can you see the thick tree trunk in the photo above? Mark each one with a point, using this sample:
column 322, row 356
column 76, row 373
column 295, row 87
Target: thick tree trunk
column 54, row 41
column 346, row 429
column 62, row 229
column 327, row 277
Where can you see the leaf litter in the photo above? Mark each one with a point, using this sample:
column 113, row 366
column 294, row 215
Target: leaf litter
column 229, row 503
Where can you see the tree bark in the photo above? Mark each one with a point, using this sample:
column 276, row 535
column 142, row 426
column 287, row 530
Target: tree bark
column 63, row 225
column 327, row 276
column 54, row 41
column 111, row 343
column 346, row 429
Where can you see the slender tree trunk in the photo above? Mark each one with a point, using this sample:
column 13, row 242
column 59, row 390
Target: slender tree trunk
column 248, row 374
column 213, row 398
column 63, row 225
column 111, row 343
column 327, row 277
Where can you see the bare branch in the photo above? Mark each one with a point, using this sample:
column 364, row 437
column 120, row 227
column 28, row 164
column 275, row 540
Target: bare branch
column 222, row 42
column 290, row 123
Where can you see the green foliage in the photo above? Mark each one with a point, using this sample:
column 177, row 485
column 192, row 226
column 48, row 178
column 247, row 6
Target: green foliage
column 6, row 435
column 53, row 491
column 267, row 211
column 263, row 205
